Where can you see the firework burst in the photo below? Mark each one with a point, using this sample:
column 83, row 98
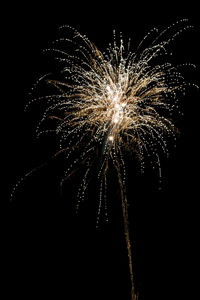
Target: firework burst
column 113, row 101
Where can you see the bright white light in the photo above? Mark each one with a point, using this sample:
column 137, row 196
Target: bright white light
column 116, row 120
column 115, row 98
column 108, row 88
column 110, row 138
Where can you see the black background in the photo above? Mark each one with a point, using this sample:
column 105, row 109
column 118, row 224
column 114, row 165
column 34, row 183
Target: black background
column 51, row 252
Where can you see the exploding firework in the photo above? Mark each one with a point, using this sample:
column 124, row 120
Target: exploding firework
column 109, row 103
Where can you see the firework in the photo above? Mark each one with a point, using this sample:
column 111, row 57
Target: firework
column 112, row 102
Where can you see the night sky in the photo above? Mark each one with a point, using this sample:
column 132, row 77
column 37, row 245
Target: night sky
column 49, row 250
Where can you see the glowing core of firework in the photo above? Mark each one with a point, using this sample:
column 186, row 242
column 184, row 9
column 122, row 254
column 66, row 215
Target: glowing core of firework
column 118, row 99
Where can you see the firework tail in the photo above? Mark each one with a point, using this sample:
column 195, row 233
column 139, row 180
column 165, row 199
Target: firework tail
column 103, row 160
column 126, row 230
